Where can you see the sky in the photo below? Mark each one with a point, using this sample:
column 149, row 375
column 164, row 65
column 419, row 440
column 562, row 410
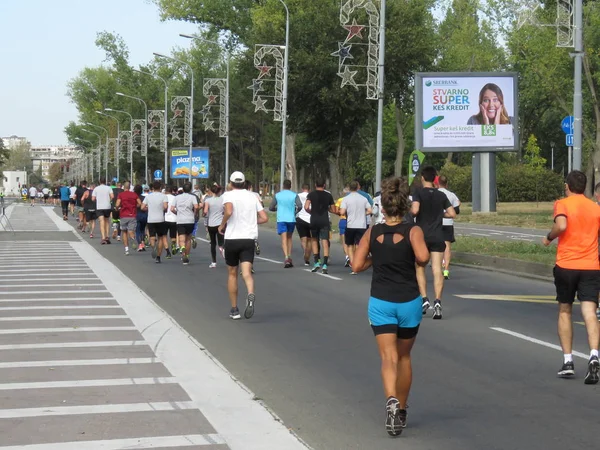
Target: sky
column 46, row 43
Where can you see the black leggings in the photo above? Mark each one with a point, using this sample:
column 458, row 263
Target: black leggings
column 65, row 207
column 215, row 237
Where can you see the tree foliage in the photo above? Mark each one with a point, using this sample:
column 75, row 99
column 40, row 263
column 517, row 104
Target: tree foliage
column 19, row 158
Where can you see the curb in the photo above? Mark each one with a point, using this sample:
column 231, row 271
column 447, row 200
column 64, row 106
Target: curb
column 508, row 266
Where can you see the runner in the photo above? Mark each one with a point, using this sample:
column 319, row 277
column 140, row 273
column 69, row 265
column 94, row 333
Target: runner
column 89, row 207
column 430, row 206
column 156, row 204
column 356, row 208
column 319, row 204
column 448, row 224
column 199, row 198
column 287, row 204
column 171, row 222
column 103, row 197
column 396, row 249
column 249, row 189
column 185, row 206
column 597, row 195
column 213, row 211
column 577, row 270
column 343, row 223
column 32, row 195
column 303, row 225
column 142, row 220
column 81, row 189
column 243, row 213
column 72, row 189
column 65, row 200
column 46, row 193
column 116, row 222
column 127, row 204
column 378, row 216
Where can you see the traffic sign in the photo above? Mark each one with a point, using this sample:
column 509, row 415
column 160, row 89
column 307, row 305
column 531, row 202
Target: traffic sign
column 567, row 124
column 569, row 140
column 158, row 174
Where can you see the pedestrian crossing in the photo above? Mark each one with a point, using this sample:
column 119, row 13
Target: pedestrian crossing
column 24, row 217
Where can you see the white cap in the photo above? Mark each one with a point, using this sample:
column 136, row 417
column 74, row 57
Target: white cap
column 237, row 177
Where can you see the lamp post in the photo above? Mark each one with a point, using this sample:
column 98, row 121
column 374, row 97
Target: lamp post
column 552, row 144
column 130, row 118
column 285, row 92
column 106, row 151
column 99, row 145
column 160, row 55
column 118, row 152
column 166, row 174
column 89, row 149
column 145, row 144
column 228, row 55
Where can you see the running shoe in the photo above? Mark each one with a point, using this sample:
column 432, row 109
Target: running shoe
column 157, row 260
column 307, row 263
column 324, row 269
column 316, row 267
column 256, row 247
column 140, row 248
column 91, row 236
column 287, row 264
column 353, row 273
column 437, row 310
column 222, row 252
column 212, row 265
column 598, row 313
column 393, row 421
column 249, row 312
column 182, row 250
column 591, row 377
column 426, row 305
column 119, row 238
column 347, row 263
column 169, row 256
column 155, row 252
column 103, row 242
column 146, row 242
column 185, row 260
column 174, row 248
column 194, row 243
column 567, row 370
column 234, row 314
column 446, row 274
column 108, row 241
column 127, row 252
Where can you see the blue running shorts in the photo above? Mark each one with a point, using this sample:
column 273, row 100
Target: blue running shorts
column 402, row 319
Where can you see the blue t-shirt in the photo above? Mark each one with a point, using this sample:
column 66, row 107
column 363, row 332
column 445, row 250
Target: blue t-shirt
column 285, row 201
column 367, row 196
column 65, row 194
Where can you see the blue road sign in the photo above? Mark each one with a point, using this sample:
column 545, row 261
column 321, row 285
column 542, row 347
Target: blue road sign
column 569, row 140
column 567, row 124
column 158, row 174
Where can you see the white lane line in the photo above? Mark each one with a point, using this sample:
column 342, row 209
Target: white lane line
column 94, row 409
column 268, row 260
column 537, row 341
column 78, row 362
column 48, row 277
column 325, row 275
column 118, row 444
column 74, row 291
column 50, row 270
column 28, row 266
column 18, row 319
column 58, row 299
column 479, row 234
column 87, row 383
column 74, row 345
column 64, row 330
column 61, row 285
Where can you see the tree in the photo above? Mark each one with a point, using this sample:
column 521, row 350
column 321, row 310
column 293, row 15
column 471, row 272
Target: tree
column 55, row 173
column 532, row 153
column 19, row 158
column 4, row 154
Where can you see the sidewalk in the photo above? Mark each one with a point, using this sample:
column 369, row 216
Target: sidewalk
column 87, row 361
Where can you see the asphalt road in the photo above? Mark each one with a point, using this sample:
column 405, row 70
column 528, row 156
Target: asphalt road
column 309, row 354
column 498, row 232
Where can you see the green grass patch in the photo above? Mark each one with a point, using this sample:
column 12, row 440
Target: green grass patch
column 523, row 215
column 523, row 251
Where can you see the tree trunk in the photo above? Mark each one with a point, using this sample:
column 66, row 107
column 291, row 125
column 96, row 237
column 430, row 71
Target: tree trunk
column 401, row 142
column 594, row 161
column 334, row 167
column 301, row 177
column 290, row 160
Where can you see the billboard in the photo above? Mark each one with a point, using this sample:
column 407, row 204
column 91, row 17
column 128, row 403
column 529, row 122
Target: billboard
column 180, row 163
column 469, row 112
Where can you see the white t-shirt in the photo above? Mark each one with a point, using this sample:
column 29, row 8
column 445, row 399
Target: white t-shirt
column 170, row 216
column 102, row 194
column 303, row 215
column 32, row 191
column 156, row 210
column 356, row 207
column 46, row 191
column 453, row 199
column 243, row 223
column 184, row 204
column 72, row 189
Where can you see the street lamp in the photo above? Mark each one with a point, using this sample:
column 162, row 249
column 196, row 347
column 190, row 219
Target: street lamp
column 552, row 144
column 99, row 145
column 146, row 122
column 197, row 38
column 118, row 150
column 285, row 92
column 106, row 151
column 160, row 55
column 131, row 118
column 166, row 174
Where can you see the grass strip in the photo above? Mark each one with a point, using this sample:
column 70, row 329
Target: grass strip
column 522, row 251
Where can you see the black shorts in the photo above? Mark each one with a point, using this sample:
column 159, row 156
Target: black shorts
column 46, row 197
column 186, row 229
column 103, row 213
column 90, row 214
column 448, row 231
column 435, row 246
column 157, row 229
column 584, row 283
column 303, row 228
column 354, row 235
column 71, row 201
column 239, row 251
column 321, row 233
column 171, row 228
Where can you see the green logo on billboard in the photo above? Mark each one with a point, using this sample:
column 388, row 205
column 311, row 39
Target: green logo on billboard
column 428, row 83
column 488, row 130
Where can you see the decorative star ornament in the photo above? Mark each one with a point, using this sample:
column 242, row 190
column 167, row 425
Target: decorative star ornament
column 211, row 99
column 175, row 135
column 154, row 124
column 257, row 86
column 259, row 104
column 178, row 113
column 354, row 30
column 205, row 111
column 265, row 71
column 343, row 52
column 209, row 125
column 153, row 143
column 137, row 131
column 347, row 76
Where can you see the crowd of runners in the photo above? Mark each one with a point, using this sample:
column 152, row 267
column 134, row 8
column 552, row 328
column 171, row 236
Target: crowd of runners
column 398, row 233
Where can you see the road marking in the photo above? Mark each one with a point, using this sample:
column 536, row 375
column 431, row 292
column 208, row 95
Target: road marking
column 50, row 270
column 479, row 234
column 83, row 276
column 18, row 319
column 61, row 285
column 94, row 409
column 65, row 330
column 76, row 291
column 74, row 345
column 325, row 275
column 537, row 341
column 57, row 299
column 117, row 444
column 268, row 260
column 28, row 266
column 550, row 299
column 79, row 362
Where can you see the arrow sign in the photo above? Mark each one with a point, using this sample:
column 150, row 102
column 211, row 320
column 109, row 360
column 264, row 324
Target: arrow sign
column 569, row 140
column 158, row 174
column 567, row 124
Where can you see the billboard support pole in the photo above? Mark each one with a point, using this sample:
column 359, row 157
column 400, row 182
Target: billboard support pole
column 484, row 182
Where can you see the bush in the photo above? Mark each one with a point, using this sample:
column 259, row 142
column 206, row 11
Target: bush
column 515, row 183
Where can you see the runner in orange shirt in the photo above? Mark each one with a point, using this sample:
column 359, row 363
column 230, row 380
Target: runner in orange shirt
column 577, row 270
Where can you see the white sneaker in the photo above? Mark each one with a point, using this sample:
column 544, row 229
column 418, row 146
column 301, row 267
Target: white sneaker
column 212, row 265
column 222, row 251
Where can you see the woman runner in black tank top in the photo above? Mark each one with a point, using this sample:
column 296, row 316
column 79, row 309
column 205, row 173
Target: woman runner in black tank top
column 392, row 249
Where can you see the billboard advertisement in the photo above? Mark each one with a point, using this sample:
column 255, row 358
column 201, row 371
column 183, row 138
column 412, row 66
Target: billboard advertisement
column 466, row 112
column 180, row 163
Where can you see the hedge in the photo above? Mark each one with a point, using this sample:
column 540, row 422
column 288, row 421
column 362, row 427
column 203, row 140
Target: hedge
column 515, row 183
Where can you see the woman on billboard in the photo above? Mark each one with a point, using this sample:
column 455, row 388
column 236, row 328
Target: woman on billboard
column 491, row 107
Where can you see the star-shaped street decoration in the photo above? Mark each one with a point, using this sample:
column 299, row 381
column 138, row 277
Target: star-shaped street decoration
column 257, row 86
column 137, row 131
column 209, row 125
column 154, row 124
column 205, row 110
column 343, row 52
column 211, row 99
column 153, row 143
column 348, row 77
column 264, row 70
column 354, row 30
column 259, row 104
column 175, row 135
column 178, row 113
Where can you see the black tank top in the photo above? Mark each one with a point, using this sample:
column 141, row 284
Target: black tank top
column 394, row 273
column 88, row 203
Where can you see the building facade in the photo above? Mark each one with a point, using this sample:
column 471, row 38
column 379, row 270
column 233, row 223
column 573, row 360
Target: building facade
column 12, row 142
column 12, row 182
column 44, row 156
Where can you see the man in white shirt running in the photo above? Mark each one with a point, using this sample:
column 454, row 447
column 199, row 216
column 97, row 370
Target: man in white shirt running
column 448, row 224
column 103, row 196
column 242, row 214
column 32, row 195
column 303, row 225
column 185, row 205
column 156, row 204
